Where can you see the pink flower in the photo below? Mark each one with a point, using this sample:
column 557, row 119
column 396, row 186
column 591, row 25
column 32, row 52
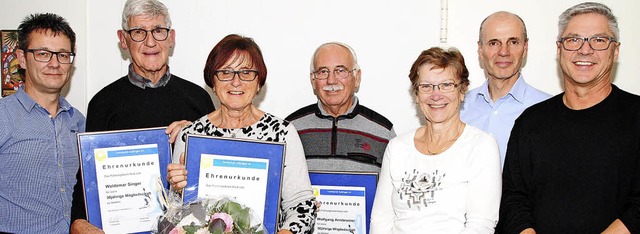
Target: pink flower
column 228, row 221
column 176, row 230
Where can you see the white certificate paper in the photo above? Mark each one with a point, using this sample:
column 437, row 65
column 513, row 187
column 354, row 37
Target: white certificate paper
column 342, row 209
column 126, row 180
column 240, row 178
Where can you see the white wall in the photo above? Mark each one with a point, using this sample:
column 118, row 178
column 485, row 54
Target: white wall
column 387, row 36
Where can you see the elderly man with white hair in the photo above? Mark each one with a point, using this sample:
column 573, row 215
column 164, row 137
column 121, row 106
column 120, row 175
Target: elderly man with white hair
column 337, row 132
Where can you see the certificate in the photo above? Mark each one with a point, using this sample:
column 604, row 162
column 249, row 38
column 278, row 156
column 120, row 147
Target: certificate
column 122, row 172
column 248, row 171
column 346, row 200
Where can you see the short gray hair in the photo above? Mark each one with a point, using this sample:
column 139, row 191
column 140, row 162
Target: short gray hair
column 588, row 8
column 144, row 7
column 353, row 54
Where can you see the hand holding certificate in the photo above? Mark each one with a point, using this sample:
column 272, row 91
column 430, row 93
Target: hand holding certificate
column 346, row 200
column 120, row 170
column 245, row 170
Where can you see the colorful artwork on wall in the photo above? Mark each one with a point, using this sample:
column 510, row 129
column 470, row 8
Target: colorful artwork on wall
column 12, row 74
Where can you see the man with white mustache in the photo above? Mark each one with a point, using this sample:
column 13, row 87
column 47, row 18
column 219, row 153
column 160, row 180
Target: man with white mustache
column 573, row 161
column 333, row 88
column 495, row 105
column 337, row 133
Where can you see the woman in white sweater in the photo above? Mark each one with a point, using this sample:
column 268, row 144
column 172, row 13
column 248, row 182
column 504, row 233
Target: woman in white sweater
column 443, row 177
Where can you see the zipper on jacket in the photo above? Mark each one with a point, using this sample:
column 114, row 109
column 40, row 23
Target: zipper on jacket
column 334, row 136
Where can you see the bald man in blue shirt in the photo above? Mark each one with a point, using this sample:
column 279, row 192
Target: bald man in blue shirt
column 495, row 105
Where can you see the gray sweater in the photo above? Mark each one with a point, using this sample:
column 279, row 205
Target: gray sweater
column 354, row 141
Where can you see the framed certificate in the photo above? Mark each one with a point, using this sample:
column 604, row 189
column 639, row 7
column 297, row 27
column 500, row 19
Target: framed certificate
column 248, row 171
column 122, row 172
column 346, row 199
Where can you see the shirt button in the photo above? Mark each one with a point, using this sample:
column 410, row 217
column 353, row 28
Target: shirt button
column 62, row 190
column 495, row 112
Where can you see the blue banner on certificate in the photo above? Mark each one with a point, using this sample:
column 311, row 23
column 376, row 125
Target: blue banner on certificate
column 122, row 172
column 247, row 171
column 346, row 200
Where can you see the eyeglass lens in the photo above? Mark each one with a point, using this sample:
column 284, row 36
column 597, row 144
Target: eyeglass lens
column 596, row 43
column 245, row 75
column 45, row 56
column 159, row 34
column 339, row 72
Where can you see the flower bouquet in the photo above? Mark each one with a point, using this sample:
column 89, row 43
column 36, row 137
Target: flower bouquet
column 207, row 216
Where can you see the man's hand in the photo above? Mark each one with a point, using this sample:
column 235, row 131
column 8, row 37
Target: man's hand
column 528, row 231
column 81, row 226
column 174, row 129
column 617, row 227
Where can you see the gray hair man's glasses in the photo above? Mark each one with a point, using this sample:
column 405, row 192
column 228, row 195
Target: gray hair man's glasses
column 138, row 34
column 339, row 72
column 42, row 55
column 228, row 75
column 596, row 43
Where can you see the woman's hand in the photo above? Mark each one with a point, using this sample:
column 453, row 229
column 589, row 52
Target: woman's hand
column 174, row 129
column 285, row 231
column 177, row 174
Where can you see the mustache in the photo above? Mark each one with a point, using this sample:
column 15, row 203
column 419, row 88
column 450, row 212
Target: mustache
column 335, row 87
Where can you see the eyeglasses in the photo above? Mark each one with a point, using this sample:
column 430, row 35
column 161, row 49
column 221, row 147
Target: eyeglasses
column 244, row 74
column 159, row 33
column 340, row 73
column 443, row 87
column 42, row 55
column 596, row 43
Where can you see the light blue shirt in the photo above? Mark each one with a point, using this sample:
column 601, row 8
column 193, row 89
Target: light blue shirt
column 497, row 118
column 38, row 164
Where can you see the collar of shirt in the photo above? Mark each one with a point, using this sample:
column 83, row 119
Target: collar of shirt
column 516, row 92
column 28, row 103
column 143, row 83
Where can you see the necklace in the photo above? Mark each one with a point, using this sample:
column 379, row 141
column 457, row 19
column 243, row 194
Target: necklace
column 447, row 144
column 243, row 123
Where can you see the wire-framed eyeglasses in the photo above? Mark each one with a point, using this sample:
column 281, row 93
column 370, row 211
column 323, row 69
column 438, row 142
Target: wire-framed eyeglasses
column 596, row 43
column 443, row 87
column 138, row 34
column 42, row 55
column 228, row 74
column 339, row 72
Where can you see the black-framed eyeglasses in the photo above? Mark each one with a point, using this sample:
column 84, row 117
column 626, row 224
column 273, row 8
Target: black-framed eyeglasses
column 339, row 72
column 42, row 55
column 243, row 74
column 596, row 43
column 443, row 87
column 138, row 34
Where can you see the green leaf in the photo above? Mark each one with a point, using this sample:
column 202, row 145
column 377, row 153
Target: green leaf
column 192, row 228
column 243, row 218
column 232, row 207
